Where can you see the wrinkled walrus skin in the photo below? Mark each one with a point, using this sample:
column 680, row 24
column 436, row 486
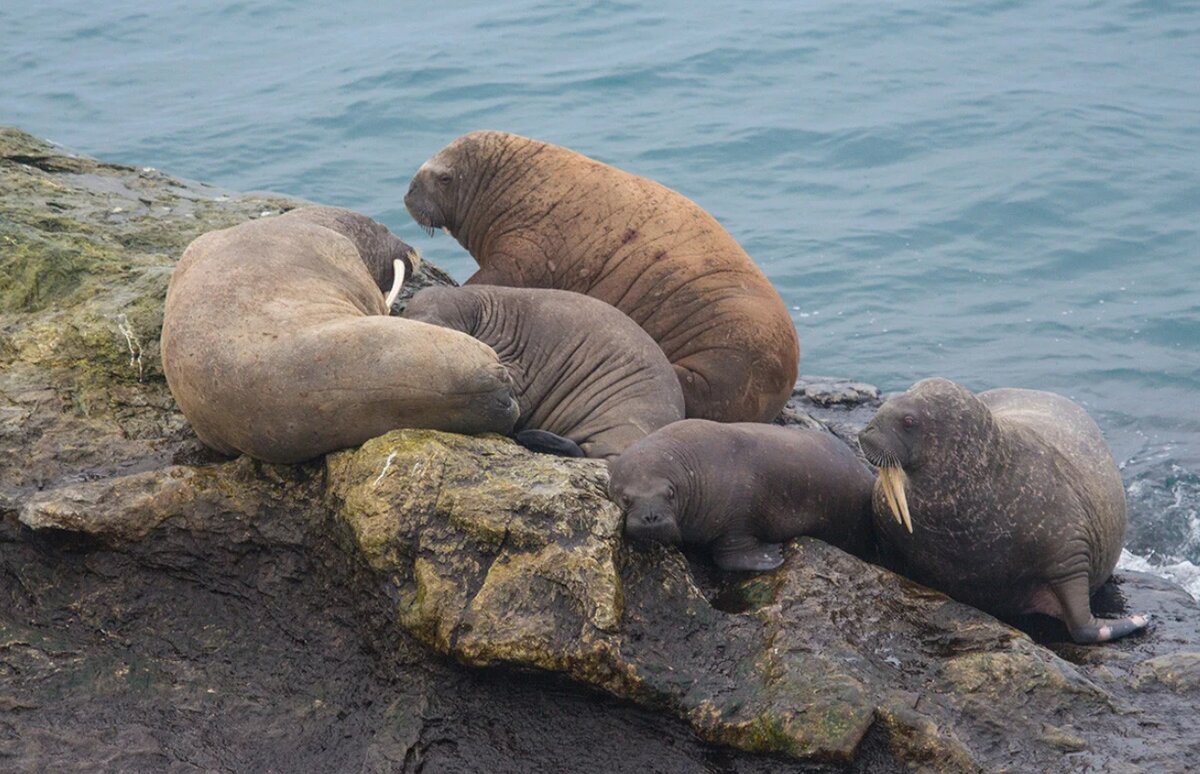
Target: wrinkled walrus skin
column 276, row 343
column 1008, row 500
column 743, row 489
column 581, row 368
column 539, row 215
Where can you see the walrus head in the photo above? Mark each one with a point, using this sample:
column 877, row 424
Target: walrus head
column 929, row 426
column 457, row 308
column 454, row 189
column 389, row 259
column 433, row 194
column 646, row 496
column 430, row 196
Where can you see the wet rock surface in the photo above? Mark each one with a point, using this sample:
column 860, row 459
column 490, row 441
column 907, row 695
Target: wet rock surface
column 432, row 602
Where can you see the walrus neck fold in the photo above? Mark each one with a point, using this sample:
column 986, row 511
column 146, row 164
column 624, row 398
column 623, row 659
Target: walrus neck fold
column 499, row 172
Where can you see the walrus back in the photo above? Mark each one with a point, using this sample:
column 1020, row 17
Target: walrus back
column 581, row 368
column 1089, row 469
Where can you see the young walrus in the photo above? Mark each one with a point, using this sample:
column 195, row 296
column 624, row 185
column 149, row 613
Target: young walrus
column 541, row 216
column 276, row 342
column 742, row 489
column 582, row 371
column 1008, row 500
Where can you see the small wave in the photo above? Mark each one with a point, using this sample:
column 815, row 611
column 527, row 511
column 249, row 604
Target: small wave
column 1182, row 572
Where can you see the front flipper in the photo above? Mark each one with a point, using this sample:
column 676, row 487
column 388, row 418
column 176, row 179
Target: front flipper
column 1086, row 629
column 746, row 553
column 545, row 442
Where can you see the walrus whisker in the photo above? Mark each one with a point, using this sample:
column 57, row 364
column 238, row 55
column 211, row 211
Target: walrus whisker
column 427, row 229
column 397, row 283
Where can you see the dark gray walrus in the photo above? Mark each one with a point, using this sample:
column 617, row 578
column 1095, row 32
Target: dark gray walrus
column 276, row 342
column 582, row 370
column 743, row 489
column 1008, row 500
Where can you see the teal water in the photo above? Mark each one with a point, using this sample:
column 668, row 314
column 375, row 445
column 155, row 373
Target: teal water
column 1004, row 193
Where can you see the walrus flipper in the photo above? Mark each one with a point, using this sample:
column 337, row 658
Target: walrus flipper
column 545, row 442
column 1085, row 628
column 745, row 553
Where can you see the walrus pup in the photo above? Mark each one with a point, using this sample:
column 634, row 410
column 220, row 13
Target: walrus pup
column 541, row 216
column 1008, row 500
column 742, row 489
column 581, row 369
column 276, row 342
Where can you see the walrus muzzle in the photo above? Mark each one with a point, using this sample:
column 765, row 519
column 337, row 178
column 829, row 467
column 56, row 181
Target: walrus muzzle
column 893, row 481
column 652, row 524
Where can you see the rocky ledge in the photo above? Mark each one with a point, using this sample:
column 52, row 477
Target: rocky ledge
column 445, row 603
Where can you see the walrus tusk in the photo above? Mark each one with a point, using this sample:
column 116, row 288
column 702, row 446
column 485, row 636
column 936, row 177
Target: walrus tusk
column 893, row 481
column 446, row 231
column 885, row 485
column 397, row 283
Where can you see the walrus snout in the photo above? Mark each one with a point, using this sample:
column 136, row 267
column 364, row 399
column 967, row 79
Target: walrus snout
column 421, row 201
column 882, row 444
column 656, row 524
column 885, row 451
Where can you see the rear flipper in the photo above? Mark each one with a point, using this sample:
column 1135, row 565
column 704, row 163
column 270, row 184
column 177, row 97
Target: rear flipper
column 745, row 553
column 1073, row 594
column 545, row 442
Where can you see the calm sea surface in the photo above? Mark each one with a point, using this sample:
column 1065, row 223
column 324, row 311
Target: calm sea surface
column 1004, row 193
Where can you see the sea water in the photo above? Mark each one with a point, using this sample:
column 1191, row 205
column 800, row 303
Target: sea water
column 1003, row 193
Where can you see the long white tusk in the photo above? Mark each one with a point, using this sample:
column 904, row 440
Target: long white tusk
column 397, row 283
column 893, row 481
column 885, row 484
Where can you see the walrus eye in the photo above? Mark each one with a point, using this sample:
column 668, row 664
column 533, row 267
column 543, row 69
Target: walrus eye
column 909, row 421
column 445, row 178
column 671, row 495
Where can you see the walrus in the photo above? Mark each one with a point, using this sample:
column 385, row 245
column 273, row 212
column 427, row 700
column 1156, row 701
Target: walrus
column 581, row 369
column 742, row 489
column 538, row 215
column 276, row 342
column 1008, row 500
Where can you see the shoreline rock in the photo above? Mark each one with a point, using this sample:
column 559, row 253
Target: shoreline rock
column 453, row 602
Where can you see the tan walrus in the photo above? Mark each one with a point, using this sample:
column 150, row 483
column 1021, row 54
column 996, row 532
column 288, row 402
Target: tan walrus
column 538, row 215
column 276, row 342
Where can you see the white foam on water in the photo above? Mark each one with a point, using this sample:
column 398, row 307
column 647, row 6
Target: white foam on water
column 1182, row 572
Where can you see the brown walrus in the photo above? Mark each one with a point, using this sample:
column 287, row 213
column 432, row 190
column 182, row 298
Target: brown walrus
column 539, row 215
column 742, row 489
column 276, row 342
column 1008, row 500
column 581, row 369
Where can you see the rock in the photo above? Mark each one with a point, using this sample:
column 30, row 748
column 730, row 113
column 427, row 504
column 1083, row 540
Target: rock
column 437, row 602
column 161, row 608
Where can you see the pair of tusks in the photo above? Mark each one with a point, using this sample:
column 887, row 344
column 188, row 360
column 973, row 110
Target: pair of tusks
column 892, row 481
column 397, row 282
